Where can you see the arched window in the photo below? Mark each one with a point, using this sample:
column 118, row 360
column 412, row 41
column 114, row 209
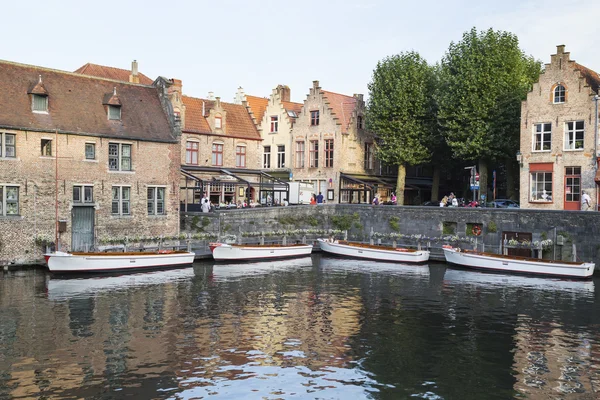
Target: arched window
column 559, row 94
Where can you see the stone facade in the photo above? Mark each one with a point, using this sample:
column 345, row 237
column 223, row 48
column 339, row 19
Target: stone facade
column 65, row 149
column 558, row 137
column 339, row 117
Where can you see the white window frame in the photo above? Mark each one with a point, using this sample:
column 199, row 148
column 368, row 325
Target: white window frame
column 313, row 154
column 300, row 154
column 113, row 113
column 571, row 135
column 154, row 204
column 281, row 156
column 267, row 157
column 561, row 93
column 120, row 157
column 82, row 190
column 4, row 145
column 540, row 181
column 274, row 124
column 123, row 205
column 4, row 201
column 538, row 136
column 218, row 122
column 42, row 100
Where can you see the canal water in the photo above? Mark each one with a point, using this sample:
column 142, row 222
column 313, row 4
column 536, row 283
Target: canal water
column 312, row 328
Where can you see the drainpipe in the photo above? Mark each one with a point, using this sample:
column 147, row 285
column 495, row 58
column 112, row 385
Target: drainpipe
column 596, row 98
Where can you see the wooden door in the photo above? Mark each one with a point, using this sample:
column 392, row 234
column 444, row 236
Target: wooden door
column 572, row 188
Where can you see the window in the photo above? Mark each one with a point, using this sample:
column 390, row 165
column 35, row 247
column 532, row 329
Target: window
column 542, row 137
column 328, row 153
column 368, row 155
column 274, row 124
column 314, row 118
column 314, row 154
column 218, row 122
column 280, row 156
column 292, row 114
column 191, row 153
column 299, row 154
column 83, row 194
column 541, row 186
column 9, row 200
column 114, row 112
column 90, row 151
column 47, row 147
column 39, row 103
column 119, row 157
column 121, row 200
column 573, row 184
column 574, row 135
column 156, row 200
column 359, row 122
column 217, row 154
column 267, row 157
column 7, row 145
column 240, row 156
column 559, row 94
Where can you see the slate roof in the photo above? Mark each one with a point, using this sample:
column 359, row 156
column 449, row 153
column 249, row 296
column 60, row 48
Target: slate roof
column 237, row 123
column 75, row 104
column 117, row 74
column 342, row 106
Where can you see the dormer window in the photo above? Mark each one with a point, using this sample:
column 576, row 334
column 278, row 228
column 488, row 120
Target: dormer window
column 218, row 122
column 114, row 112
column 39, row 97
column 39, row 103
column 559, row 94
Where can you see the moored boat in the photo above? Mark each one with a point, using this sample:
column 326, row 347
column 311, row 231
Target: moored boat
column 61, row 262
column 372, row 252
column 224, row 251
column 517, row 264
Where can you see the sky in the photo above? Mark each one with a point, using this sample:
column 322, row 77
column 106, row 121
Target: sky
column 221, row 45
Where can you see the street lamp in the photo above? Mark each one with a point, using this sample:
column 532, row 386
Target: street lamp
column 519, row 158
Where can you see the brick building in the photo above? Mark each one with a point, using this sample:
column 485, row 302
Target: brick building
column 332, row 150
column 100, row 155
column 559, row 142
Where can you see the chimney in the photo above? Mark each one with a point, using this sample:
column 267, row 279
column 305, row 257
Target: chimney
column 134, row 78
column 316, row 85
column 284, row 92
column 560, row 49
column 211, row 95
column 218, row 102
column 358, row 97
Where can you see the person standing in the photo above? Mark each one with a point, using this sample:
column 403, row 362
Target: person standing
column 586, row 201
column 313, row 200
column 394, row 199
column 320, row 198
column 205, row 205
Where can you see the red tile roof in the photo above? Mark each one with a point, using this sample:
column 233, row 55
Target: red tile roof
column 590, row 76
column 237, row 124
column 258, row 106
column 342, row 106
column 75, row 104
column 117, row 74
column 291, row 106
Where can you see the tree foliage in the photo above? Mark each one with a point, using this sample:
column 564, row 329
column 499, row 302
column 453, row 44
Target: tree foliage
column 399, row 109
column 483, row 79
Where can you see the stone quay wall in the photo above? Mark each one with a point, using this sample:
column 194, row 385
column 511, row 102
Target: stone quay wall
column 409, row 225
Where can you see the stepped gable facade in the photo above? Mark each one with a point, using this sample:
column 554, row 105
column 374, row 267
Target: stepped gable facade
column 101, row 156
column 329, row 141
column 559, row 146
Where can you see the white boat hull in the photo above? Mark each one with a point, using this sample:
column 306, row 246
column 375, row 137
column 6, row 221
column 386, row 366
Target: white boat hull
column 112, row 262
column 486, row 261
column 222, row 251
column 370, row 253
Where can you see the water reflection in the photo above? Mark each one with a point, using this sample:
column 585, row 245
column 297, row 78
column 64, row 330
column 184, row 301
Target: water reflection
column 308, row 328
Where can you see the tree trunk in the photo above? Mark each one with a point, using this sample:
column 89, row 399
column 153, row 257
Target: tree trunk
column 512, row 178
column 483, row 181
column 400, row 184
column 435, row 184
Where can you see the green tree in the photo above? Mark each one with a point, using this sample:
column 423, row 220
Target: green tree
column 483, row 79
column 400, row 112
